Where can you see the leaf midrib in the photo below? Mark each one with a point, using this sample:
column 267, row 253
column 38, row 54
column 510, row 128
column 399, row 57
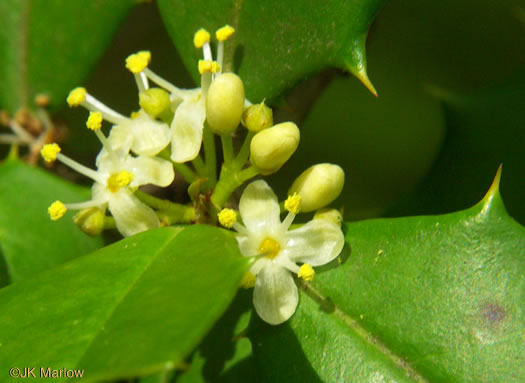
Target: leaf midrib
column 126, row 293
column 367, row 337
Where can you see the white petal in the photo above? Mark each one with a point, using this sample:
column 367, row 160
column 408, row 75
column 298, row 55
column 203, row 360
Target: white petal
column 259, row 208
column 186, row 130
column 149, row 136
column 100, row 193
column 120, row 139
column 150, row 170
column 275, row 294
column 317, row 243
column 131, row 215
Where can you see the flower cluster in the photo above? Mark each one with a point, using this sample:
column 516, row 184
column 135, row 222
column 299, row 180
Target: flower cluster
column 173, row 131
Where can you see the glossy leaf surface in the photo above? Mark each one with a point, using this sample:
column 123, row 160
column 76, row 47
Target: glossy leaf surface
column 30, row 241
column 133, row 308
column 418, row 299
column 276, row 43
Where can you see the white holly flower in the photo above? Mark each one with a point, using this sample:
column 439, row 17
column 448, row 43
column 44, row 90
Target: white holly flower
column 117, row 176
column 278, row 250
column 190, row 104
column 149, row 136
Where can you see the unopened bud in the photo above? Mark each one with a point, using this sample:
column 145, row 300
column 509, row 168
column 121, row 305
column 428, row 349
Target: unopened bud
column 331, row 215
column 272, row 147
column 257, row 117
column 318, row 186
column 225, row 103
column 154, row 101
column 90, row 221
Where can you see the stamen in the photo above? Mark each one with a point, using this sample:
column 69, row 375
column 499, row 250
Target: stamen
column 306, row 272
column 248, row 280
column 206, row 68
column 84, row 205
column 49, row 152
column 222, row 35
column 94, row 121
column 201, row 37
column 293, row 203
column 240, row 228
column 142, row 81
column 56, row 210
column 163, row 83
column 286, row 263
column 139, row 61
column 94, row 105
column 95, row 176
column 76, row 97
column 227, row 217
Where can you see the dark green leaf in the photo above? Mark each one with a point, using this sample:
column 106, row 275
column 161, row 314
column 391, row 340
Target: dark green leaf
column 454, row 44
column 485, row 128
column 30, row 241
column 49, row 46
column 224, row 355
column 133, row 308
column 277, row 43
column 419, row 299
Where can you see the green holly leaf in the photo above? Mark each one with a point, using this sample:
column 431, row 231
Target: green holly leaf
column 30, row 241
column 276, row 43
column 49, row 46
column 225, row 354
column 484, row 130
column 133, row 308
column 418, row 299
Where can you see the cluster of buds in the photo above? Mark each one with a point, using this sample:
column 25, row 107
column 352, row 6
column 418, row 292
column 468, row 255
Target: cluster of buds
column 173, row 131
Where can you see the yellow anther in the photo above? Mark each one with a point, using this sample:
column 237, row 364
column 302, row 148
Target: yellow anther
column 306, row 272
column 139, row 61
column 205, row 66
column 224, row 33
column 76, row 97
column 201, row 37
column 293, row 203
column 215, row 67
column 227, row 217
column 270, row 248
column 248, row 280
column 56, row 210
column 118, row 180
column 94, row 121
column 134, row 115
column 49, row 152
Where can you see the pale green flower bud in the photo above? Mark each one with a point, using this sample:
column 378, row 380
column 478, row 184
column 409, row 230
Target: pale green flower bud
column 331, row 215
column 318, row 186
column 90, row 221
column 272, row 147
column 225, row 104
column 257, row 117
column 154, row 101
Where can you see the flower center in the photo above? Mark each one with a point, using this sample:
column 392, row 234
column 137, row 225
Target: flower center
column 270, row 248
column 118, row 180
